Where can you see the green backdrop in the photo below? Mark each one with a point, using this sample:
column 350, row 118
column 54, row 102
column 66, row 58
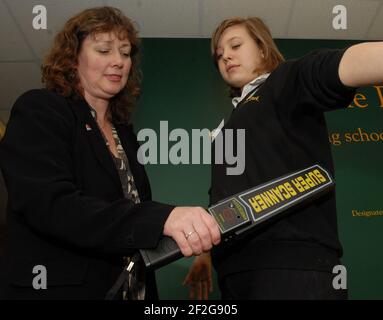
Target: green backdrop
column 182, row 86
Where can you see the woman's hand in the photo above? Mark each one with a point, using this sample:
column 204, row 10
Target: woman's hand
column 199, row 278
column 194, row 230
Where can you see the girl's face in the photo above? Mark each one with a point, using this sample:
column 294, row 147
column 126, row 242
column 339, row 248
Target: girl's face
column 103, row 66
column 240, row 59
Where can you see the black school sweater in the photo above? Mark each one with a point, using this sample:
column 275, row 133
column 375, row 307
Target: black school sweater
column 286, row 131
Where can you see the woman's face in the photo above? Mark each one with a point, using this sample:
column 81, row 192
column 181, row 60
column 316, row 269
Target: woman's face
column 103, row 65
column 240, row 59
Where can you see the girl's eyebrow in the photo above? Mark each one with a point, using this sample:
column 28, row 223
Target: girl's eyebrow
column 235, row 37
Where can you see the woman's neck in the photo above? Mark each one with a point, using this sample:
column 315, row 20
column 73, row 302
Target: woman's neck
column 100, row 106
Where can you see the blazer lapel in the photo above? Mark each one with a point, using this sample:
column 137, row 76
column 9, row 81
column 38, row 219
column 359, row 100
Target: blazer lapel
column 90, row 128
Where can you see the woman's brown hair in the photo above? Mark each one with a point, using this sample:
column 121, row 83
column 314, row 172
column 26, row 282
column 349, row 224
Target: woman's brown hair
column 59, row 72
column 258, row 30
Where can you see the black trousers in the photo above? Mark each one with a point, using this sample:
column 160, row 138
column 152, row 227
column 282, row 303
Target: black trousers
column 280, row 284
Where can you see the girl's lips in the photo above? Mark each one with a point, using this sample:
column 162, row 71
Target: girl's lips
column 113, row 77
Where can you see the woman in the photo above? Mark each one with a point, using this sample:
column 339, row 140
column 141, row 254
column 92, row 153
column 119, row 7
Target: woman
column 281, row 105
column 79, row 201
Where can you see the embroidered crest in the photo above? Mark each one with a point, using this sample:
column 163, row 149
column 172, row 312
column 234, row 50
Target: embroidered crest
column 252, row 98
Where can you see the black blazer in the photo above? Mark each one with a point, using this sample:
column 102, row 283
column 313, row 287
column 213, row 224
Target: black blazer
column 66, row 209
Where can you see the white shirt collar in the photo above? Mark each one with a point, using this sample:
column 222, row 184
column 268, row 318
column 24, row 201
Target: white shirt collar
column 246, row 89
column 249, row 87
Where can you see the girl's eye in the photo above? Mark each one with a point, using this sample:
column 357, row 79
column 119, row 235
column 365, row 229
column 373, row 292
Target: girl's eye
column 218, row 56
column 236, row 46
column 103, row 51
column 126, row 54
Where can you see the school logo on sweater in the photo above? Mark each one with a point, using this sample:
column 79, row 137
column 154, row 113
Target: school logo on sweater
column 253, row 98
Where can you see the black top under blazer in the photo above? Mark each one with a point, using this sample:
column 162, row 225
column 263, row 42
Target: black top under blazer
column 66, row 209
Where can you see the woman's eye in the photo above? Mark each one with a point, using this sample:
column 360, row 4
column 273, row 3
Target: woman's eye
column 103, row 51
column 236, row 46
column 126, row 54
column 218, row 56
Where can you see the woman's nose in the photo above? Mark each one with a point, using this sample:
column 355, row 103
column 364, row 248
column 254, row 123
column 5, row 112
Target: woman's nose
column 117, row 59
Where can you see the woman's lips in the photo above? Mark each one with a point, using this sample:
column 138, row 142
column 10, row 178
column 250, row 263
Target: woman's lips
column 113, row 77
